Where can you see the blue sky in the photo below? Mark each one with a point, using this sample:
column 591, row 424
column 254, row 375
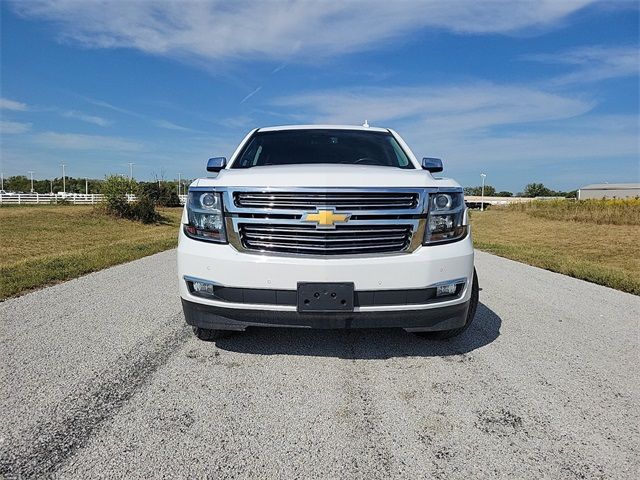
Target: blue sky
column 543, row 91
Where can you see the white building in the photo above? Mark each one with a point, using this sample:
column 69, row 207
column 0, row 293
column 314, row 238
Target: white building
column 609, row 190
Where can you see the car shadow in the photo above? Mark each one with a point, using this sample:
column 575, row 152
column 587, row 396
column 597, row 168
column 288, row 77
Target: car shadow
column 367, row 344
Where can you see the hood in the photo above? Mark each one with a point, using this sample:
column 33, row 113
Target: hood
column 324, row 175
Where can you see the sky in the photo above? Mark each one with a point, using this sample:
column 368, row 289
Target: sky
column 524, row 91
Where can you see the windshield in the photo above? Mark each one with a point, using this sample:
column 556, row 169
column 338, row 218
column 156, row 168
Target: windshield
column 296, row 147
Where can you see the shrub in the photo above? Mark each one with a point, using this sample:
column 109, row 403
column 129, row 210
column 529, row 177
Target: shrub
column 162, row 194
column 115, row 190
column 144, row 210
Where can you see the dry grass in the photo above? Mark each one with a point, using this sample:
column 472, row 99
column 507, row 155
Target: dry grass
column 42, row 245
column 601, row 212
column 607, row 254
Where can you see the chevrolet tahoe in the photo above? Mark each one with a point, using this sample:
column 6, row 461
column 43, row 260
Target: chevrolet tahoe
column 323, row 226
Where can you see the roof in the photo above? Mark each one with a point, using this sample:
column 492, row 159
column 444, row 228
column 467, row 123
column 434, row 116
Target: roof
column 322, row 127
column 612, row 186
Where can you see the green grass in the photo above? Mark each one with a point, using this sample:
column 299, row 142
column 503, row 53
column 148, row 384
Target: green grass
column 43, row 245
column 572, row 238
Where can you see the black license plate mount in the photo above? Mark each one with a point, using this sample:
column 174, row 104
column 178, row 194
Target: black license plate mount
column 325, row 297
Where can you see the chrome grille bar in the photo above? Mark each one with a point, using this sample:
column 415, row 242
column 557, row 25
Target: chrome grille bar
column 338, row 200
column 341, row 240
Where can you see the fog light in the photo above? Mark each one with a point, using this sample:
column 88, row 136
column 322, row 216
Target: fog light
column 202, row 287
column 444, row 290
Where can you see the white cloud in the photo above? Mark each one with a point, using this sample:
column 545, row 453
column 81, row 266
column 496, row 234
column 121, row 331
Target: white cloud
column 479, row 124
column 593, row 63
column 87, row 118
column 301, row 29
column 13, row 127
column 437, row 109
column 76, row 141
column 6, row 104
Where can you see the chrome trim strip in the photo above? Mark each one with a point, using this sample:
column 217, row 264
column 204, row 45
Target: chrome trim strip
column 188, row 278
column 457, row 281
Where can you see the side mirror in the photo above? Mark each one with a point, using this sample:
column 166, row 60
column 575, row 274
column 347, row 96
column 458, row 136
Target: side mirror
column 432, row 164
column 216, row 164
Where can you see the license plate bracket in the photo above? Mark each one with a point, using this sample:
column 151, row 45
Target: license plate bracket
column 325, row 297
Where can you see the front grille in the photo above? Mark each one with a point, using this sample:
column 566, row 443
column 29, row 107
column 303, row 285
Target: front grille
column 338, row 200
column 309, row 240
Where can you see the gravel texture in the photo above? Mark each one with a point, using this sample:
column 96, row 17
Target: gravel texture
column 101, row 378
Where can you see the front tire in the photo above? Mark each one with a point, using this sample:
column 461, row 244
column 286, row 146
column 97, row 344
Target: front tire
column 209, row 335
column 473, row 306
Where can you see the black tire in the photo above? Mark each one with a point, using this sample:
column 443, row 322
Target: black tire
column 473, row 306
column 208, row 335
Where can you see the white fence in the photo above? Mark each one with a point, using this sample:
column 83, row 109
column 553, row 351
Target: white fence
column 48, row 198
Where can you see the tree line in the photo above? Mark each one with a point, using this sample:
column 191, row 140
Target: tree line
column 21, row 183
column 531, row 190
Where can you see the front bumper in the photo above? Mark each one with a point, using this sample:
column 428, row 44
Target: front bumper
column 225, row 266
column 217, row 318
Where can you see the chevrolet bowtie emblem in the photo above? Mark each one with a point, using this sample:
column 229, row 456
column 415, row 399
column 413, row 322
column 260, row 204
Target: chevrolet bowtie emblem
column 326, row 218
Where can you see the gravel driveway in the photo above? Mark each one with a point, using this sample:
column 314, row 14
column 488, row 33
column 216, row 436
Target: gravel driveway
column 101, row 378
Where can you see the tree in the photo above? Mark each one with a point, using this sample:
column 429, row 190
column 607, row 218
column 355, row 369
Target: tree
column 571, row 194
column 489, row 191
column 536, row 190
column 504, row 193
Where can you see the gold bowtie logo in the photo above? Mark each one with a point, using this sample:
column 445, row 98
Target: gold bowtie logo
column 326, row 218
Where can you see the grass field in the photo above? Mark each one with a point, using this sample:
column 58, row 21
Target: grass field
column 593, row 240
column 42, row 245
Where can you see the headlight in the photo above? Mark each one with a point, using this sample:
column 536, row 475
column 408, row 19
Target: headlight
column 206, row 222
column 445, row 221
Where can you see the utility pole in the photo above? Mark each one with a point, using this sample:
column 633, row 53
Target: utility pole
column 51, row 185
column 482, row 196
column 86, row 186
column 131, row 177
column 64, row 182
column 31, row 173
column 179, row 179
column 2, row 180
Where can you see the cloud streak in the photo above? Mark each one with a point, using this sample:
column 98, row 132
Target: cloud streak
column 102, row 122
column 171, row 126
column 437, row 108
column 6, row 104
column 251, row 94
column 76, row 141
column 297, row 29
column 593, row 63
column 7, row 127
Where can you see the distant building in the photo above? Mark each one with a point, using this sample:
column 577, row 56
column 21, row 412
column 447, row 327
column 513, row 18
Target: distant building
column 609, row 190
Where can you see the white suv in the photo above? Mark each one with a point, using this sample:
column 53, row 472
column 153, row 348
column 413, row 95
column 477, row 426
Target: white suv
column 326, row 227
